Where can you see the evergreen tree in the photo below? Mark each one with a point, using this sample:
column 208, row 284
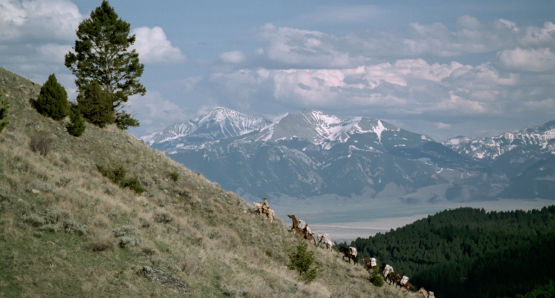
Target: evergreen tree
column 101, row 54
column 77, row 125
column 301, row 260
column 52, row 100
column 4, row 106
column 94, row 104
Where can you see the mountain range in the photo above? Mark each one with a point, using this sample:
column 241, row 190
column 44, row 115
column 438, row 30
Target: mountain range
column 313, row 154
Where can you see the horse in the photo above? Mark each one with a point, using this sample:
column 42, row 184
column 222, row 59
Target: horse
column 408, row 286
column 295, row 221
column 390, row 277
column 397, row 279
column 368, row 262
column 349, row 254
column 424, row 292
column 386, row 271
column 309, row 237
column 270, row 214
column 325, row 239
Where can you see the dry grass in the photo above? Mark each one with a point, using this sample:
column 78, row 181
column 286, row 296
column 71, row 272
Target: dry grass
column 190, row 228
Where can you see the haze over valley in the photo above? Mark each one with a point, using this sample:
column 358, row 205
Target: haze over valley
column 361, row 171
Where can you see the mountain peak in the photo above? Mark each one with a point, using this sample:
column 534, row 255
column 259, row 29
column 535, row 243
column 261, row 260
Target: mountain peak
column 220, row 123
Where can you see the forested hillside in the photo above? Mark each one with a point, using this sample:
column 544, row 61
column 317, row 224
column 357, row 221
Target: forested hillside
column 470, row 253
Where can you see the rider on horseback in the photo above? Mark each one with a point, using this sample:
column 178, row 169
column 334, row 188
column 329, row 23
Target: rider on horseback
column 265, row 206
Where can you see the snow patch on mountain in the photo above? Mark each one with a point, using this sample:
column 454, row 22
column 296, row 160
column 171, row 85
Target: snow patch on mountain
column 491, row 148
column 220, row 123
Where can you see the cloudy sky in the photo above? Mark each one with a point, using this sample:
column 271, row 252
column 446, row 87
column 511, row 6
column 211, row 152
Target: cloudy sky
column 443, row 68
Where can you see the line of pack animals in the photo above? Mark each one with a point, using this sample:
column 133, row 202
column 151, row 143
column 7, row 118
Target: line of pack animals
column 301, row 228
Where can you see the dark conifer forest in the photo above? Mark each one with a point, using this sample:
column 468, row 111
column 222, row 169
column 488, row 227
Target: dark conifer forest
column 470, row 253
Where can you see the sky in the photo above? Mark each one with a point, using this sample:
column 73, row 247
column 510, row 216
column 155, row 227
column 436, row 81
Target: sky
column 441, row 68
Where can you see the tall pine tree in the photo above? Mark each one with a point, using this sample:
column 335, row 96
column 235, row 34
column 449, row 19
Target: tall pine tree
column 101, row 54
column 52, row 100
column 94, row 104
column 4, row 106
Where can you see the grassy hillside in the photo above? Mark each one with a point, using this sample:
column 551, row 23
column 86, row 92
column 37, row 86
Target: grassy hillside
column 66, row 230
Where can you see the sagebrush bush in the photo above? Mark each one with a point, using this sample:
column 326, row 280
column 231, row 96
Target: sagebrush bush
column 134, row 184
column 102, row 243
column 162, row 217
column 174, row 175
column 33, row 219
column 117, row 176
column 41, row 144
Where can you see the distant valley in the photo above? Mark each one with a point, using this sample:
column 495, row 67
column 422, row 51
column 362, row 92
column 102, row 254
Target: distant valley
column 313, row 154
column 332, row 170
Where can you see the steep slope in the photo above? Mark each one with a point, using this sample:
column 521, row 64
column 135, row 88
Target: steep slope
column 67, row 231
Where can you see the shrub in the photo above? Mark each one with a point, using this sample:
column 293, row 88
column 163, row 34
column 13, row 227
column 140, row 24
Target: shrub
column 40, row 144
column 117, row 176
column 301, row 259
column 125, row 231
column 162, row 218
column 149, row 251
column 52, row 100
column 33, row 219
column 50, row 228
column 126, row 242
column 134, row 184
column 174, row 176
column 376, row 278
column 76, row 127
column 50, row 216
column 102, row 243
column 4, row 106
column 95, row 105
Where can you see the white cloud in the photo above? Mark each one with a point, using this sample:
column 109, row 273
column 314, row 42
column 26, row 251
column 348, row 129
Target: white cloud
column 543, row 106
column 154, row 112
column 441, row 125
column 233, row 57
column 305, row 48
column 338, row 14
column 533, row 60
column 31, row 21
column 154, row 47
column 53, row 52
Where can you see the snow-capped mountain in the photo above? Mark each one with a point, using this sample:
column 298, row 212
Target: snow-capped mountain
column 220, row 123
column 540, row 138
column 313, row 154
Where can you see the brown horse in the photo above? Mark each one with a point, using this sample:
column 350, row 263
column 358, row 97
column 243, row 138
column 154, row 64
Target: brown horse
column 295, row 221
column 408, row 286
column 347, row 253
column 308, row 237
column 390, row 278
column 368, row 262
